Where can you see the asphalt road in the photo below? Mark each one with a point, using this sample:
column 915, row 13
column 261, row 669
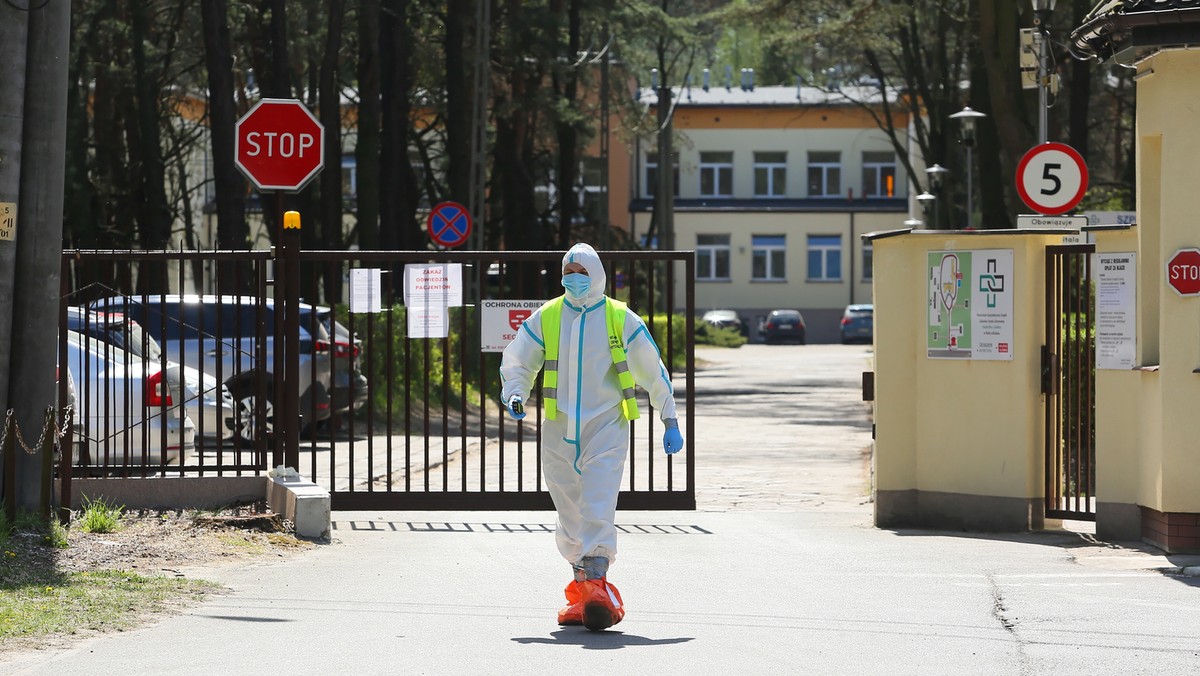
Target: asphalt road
column 778, row 572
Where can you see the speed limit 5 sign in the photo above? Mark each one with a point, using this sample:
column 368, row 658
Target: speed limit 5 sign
column 1052, row 178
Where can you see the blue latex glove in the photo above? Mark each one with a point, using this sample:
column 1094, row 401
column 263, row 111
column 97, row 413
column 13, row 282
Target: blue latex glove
column 672, row 439
column 515, row 407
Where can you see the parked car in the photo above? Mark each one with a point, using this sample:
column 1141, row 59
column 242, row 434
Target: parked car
column 349, row 390
column 726, row 319
column 784, row 325
column 221, row 334
column 858, row 323
column 209, row 404
column 128, row 407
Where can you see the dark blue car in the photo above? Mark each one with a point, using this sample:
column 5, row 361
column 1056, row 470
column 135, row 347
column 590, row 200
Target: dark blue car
column 858, row 323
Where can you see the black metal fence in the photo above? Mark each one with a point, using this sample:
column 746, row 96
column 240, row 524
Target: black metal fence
column 382, row 420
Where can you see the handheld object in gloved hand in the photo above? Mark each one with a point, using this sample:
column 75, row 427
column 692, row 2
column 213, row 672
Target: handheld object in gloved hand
column 672, row 439
column 516, row 407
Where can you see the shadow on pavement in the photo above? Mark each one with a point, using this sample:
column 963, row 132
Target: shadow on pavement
column 597, row 640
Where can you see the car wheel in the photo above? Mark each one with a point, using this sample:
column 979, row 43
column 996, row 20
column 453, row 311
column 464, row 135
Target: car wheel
column 245, row 393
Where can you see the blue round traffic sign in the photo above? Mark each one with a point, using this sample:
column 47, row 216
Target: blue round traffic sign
column 449, row 224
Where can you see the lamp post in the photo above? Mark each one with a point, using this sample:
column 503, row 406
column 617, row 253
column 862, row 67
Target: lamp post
column 1042, row 9
column 937, row 176
column 926, row 201
column 967, row 117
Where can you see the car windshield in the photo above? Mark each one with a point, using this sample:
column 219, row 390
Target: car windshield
column 785, row 314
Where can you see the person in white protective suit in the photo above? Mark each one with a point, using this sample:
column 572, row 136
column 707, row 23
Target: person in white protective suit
column 595, row 350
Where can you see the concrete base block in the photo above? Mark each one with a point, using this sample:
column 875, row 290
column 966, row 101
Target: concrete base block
column 1116, row 522
column 303, row 503
column 956, row 511
column 167, row 492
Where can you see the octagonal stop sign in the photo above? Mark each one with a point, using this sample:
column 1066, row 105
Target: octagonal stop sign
column 1183, row 272
column 279, row 145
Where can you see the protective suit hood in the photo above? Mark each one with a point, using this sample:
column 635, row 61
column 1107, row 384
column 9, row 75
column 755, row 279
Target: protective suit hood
column 586, row 256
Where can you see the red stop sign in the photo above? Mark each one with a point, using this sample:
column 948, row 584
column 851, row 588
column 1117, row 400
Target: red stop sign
column 279, row 145
column 1183, row 272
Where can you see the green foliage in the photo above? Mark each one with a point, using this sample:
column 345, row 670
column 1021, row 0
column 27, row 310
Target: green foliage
column 421, row 363
column 100, row 516
column 718, row 336
column 1108, row 197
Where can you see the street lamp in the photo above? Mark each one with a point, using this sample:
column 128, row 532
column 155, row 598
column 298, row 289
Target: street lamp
column 937, row 176
column 926, row 201
column 1042, row 9
column 967, row 117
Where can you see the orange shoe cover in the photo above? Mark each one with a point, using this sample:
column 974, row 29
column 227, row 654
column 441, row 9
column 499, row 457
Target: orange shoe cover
column 572, row 613
column 602, row 605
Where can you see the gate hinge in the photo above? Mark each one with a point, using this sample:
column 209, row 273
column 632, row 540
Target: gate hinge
column 1050, row 375
column 868, row 386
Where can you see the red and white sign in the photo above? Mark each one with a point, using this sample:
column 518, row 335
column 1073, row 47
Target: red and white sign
column 279, row 145
column 449, row 224
column 1052, row 178
column 1183, row 272
column 501, row 320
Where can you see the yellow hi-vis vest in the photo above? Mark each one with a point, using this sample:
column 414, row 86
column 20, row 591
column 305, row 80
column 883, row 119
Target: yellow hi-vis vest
column 615, row 319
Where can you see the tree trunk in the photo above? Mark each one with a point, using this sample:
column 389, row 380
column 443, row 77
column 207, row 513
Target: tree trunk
column 153, row 213
column 458, row 101
column 568, row 134
column 228, row 183
column 366, row 149
column 397, row 208
column 331, row 175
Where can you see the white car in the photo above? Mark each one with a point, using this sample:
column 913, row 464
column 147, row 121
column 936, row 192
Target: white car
column 128, row 411
column 211, row 406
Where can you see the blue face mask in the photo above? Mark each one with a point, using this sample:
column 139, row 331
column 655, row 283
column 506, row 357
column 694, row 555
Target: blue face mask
column 576, row 284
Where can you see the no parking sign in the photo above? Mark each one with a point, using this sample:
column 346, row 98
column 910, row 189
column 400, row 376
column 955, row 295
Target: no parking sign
column 449, row 224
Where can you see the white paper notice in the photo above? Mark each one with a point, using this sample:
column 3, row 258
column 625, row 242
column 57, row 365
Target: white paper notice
column 428, row 322
column 433, row 284
column 366, row 290
column 1116, row 310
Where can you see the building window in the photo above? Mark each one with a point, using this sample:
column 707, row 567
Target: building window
column 768, row 262
column 824, row 174
column 712, row 257
column 879, row 174
column 716, row 174
column 591, row 184
column 824, row 258
column 868, row 263
column 652, row 174
column 770, row 174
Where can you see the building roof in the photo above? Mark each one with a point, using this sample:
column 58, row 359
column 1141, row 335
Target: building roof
column 1143, row 26
column 770, row 96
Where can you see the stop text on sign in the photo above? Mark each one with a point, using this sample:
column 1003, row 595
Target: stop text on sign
column 289, row 144
column 1183, row 272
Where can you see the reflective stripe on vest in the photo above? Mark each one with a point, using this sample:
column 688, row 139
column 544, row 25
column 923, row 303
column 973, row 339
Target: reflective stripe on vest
column 551, row 331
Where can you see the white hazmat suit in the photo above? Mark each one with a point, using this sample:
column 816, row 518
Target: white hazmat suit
column 584, row 448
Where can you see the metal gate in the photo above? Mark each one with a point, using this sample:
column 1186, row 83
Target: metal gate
column 407, row 423
column 1068, row 369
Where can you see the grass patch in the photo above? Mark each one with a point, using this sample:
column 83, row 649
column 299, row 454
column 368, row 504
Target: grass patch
column 241, row 542
column 55, row 603
column 99, row 516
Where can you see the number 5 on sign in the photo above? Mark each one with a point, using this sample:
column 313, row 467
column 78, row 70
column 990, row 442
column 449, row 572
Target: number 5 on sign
column 1052, row 178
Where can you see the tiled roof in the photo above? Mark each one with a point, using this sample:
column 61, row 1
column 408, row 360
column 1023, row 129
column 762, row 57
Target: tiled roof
column 768, row 96
column 1114, row 26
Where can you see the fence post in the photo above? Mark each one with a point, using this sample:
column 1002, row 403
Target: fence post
column 9, row 449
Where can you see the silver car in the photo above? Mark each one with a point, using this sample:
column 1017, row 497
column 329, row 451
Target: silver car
column 209, row 403
column 128, row 411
